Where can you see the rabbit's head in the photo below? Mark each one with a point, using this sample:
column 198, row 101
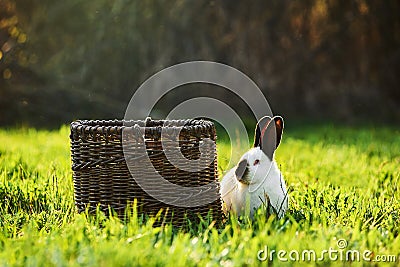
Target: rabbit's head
column 257, row 168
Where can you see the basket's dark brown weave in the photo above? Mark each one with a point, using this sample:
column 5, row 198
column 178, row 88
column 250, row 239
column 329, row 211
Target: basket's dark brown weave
column 101, row 175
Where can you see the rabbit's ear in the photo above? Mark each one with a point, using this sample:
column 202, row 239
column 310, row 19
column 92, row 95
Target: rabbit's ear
column 268, row 135
column 261, row 124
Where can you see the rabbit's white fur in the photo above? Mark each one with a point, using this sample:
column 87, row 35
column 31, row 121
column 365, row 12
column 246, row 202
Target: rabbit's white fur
column 261, row 184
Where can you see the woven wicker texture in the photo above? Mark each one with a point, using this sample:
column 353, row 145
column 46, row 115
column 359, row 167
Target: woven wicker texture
column 101, row 175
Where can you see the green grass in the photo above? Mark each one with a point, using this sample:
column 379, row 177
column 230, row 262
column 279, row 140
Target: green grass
column 343, row 183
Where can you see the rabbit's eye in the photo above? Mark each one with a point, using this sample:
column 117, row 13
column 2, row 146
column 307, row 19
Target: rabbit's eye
column 257, row 161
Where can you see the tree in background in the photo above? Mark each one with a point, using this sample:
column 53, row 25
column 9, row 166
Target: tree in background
column 16, row 77
column 83, row 59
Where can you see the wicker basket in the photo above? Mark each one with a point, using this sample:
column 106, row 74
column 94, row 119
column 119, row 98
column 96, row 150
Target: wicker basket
column 102, row 178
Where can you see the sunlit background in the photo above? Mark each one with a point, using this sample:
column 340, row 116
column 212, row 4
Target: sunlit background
column 314, row 60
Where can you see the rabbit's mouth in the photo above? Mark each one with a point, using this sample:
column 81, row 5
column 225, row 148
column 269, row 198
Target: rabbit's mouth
column 244, row 180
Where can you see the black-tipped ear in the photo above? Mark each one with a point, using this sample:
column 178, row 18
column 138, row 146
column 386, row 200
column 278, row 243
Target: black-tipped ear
column 269, row 134
column 259, row 126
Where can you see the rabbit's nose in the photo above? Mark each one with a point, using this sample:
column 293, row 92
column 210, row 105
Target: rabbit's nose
column 242, row 170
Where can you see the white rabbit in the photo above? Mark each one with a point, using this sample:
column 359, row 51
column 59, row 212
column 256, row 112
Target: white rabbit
column 256, row 180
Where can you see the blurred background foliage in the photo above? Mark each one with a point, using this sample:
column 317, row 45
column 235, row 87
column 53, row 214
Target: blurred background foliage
column 314, row 59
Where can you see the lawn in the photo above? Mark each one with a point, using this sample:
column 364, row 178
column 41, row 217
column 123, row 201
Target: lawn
column 344, row 199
